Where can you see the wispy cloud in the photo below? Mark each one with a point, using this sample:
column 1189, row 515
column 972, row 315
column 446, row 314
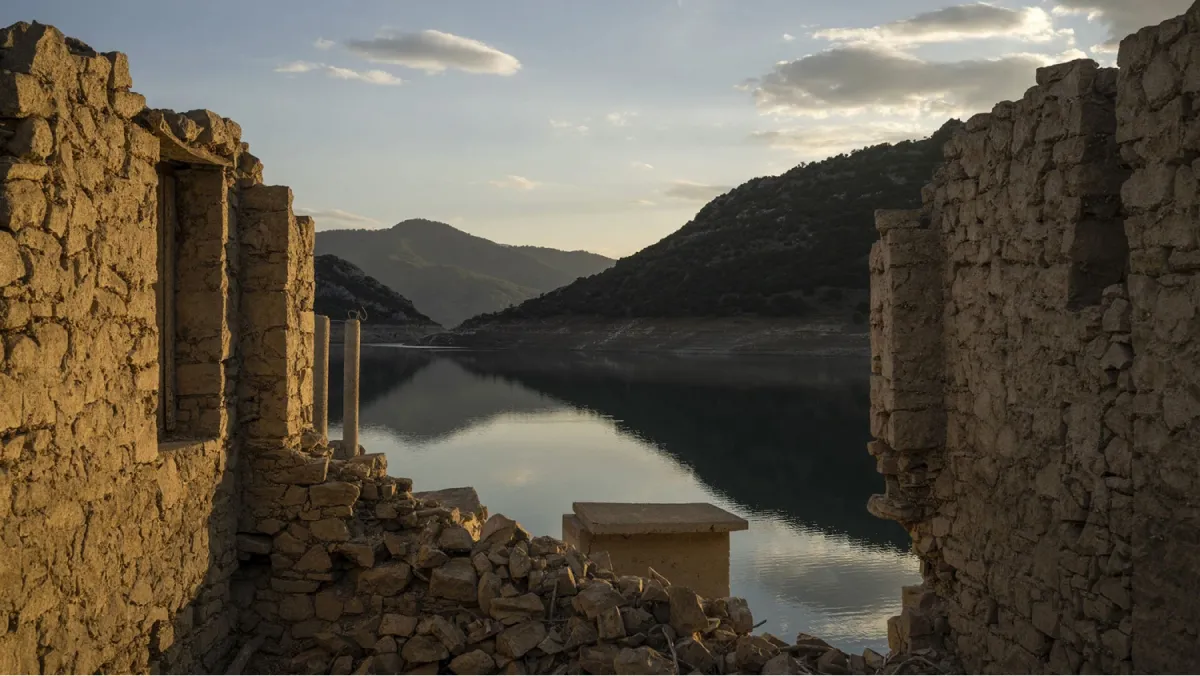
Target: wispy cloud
column 645, row 203
column 694, row 192
column 512, row 182
column 641, row 165
column 337, row 218
column 434, row 51
column 322, row 43
column 788, row 37
column 620, row 119
column 565, row 125
column 378, row 77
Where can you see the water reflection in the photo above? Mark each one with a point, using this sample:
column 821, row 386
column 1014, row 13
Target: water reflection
column 778, row 441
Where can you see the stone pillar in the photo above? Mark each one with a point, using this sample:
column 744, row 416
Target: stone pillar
column 349, row 447
column 321, row 376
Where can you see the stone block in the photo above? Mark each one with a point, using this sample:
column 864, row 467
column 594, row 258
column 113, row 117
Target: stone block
column 22, row 205
column 273, row 198
column 333, row 493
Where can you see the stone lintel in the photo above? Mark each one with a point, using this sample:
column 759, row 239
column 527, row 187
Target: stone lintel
column 632, row 518
column 174, row 148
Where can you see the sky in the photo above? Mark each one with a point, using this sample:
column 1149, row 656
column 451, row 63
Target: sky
column 602, row 126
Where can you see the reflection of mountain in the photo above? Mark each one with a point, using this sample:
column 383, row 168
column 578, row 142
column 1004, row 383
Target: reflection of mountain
column 423, row 397
column 785, row 436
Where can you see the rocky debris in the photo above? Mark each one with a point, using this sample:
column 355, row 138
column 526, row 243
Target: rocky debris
column 423, row 587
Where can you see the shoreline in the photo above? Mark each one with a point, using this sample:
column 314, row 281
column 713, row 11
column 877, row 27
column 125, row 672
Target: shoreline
column 723, row 336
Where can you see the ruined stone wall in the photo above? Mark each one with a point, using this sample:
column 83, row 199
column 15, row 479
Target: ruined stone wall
column 118, row 527
column 1157, row 130
column 116, row 550
column 1034, row 402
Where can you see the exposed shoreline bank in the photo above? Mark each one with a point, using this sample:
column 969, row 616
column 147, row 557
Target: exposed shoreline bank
column 689, row 336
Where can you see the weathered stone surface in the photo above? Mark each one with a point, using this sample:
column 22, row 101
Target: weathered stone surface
column 515, row 641
column 423, row 650
column 456, row 539
column 333, row 493
column 474, row 662
column 393, row 624
column 388, row 579
column 597, row 597
column 516, row 609
column 643, row 660
column 455, row 581
column 687, row 615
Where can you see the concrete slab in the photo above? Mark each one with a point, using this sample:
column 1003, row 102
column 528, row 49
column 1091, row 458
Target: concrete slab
column 645, row 518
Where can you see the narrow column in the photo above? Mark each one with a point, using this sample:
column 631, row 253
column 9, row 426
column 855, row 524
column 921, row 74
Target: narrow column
column 321, row 376
column 349, row 447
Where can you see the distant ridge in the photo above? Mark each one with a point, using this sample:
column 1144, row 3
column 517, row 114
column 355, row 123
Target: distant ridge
column 452, row 275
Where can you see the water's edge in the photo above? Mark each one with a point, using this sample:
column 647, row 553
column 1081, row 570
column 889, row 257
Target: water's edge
column 685, row 336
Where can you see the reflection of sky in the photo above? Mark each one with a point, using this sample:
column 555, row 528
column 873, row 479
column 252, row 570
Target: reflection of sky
column 532, row 466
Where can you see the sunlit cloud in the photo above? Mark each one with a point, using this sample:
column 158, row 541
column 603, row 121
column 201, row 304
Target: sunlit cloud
column 435, row 51
column 377, row 77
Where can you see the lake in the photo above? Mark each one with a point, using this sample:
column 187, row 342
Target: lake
column 779, row 441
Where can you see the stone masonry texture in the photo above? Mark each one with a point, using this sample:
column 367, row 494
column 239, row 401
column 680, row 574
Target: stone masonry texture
column 118, row 539
column 1036, row 376
column 165, row 505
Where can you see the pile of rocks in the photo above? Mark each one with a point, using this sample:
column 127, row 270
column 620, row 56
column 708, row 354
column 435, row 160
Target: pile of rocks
column 422, row 587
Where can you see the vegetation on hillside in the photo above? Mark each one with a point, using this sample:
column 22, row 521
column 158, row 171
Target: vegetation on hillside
column 342, row 287
column 787, row 245
column 451, row 274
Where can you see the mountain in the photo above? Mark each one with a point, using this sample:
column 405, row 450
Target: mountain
column 793, row 245
column 342, row 287
column 453, row 275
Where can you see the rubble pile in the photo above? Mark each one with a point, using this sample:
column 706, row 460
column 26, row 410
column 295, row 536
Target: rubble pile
column 369, row 579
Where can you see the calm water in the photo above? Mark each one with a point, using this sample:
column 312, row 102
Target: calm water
column 780, row 442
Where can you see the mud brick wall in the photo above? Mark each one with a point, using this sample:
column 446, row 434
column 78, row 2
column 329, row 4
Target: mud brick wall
column 1049, row 494
column 1157, row 129
column 116, row 550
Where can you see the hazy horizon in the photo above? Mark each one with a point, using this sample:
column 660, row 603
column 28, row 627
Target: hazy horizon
column 595, row 127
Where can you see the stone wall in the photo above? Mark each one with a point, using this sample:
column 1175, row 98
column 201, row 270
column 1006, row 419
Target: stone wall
column 1157, row 129
column 114, row 546
column 120, row 487
column 1035, row 374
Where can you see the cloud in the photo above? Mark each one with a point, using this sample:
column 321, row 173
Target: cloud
column 645, row 203
column 857, row 78
column 1122, row 17
column 322, row 43
column 512, row 182
column 434, row 51
column 695, row 192
column 565, row 125
column 337, row 218
column 954, row 24
column 818, row 142
column 641, row 165
column 788, row 37
column 619, row 119
column 378, row 77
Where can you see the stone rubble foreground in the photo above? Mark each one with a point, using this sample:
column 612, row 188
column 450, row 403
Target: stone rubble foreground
column 362, row 577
